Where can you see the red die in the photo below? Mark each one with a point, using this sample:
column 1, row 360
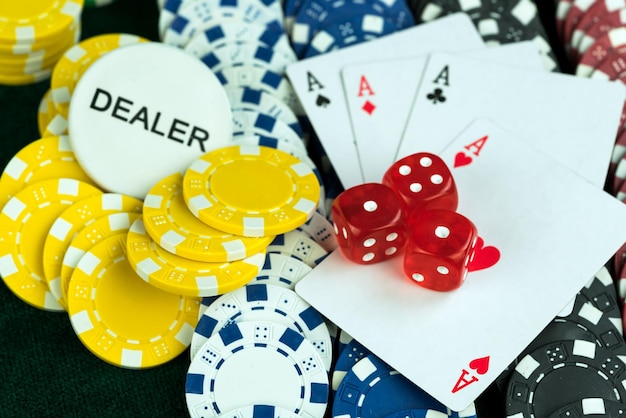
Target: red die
column 369, row 223
column 439, row 247
column 423, row 181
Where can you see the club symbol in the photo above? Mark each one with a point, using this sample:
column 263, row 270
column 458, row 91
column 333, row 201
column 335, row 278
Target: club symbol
column 436, row 96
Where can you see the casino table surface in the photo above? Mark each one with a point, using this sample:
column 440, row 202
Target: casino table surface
column 45, row 371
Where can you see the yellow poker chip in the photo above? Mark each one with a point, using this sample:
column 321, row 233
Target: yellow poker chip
column 72, row 220
column 24, row 223
column 185, row 277
column 170, row 223
column 23, row 79
column 251, row 190
column 29, row 22
column 102, row 228
column 44, row 112
column 45, row 158
column 122, row 319
column 77, row 60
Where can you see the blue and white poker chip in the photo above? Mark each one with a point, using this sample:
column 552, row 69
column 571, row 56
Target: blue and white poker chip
column 246, row 98
column 300, row 245
column 254, row 362
column 267, row 303
column 418, row 413
column 260, row 411
column 251, row 123
column 247, row 54
column 282, row 270
column 183, row 18
column 350, row 355
column 261, row 79
column 228, row 31
column 372, row 389
column 351, row 31
column 315, row 15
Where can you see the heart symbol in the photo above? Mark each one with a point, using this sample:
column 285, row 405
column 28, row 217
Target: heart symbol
column 481, row 365
column 460, row 159
column 322, row 101
column 483, row 257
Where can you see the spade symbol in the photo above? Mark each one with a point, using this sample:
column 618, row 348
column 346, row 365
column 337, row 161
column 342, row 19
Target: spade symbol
column 322, row 101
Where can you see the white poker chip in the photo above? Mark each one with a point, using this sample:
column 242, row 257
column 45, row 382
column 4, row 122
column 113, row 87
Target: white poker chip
column 270, row 304
column 251, row 123
column 281, row 270
column 246, row 98
column 261, row 79
column 247, row 54
column 299, row 245
column 221, row 31
column 193, row 16
column 256, row 363
column 321, row 230
column 148, row 110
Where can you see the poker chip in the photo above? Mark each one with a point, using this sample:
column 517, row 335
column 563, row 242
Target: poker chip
column 246, row 98
column 591, row 406
column 252, row 123
column 34, row 36
column 373, row 389
column 598, row 26
column 43, row 159
column 261, row 411
column 182, row 276
column 102, row 228
column 267, row 303
column 562, row 9
column 255, row 191
column 536, row 386
column 418, row 413
column 247, row 54
column 604, row 49
column 620, row 175
column 77, row 60
column 261, row 79
column 43, row 113
column 120, row 318
column 601, row 292
column 594, row 13
column 232, row 369
column 138, row 119
column 180, row 20
column 173, row 227
column 282, row 270
column 351, row 31
column 72, row 220
column 300, row 245
column 315, row 15
column 349, row 356
column 575, row 13
column 321, row 230
column 24, row 223
column 229, row 31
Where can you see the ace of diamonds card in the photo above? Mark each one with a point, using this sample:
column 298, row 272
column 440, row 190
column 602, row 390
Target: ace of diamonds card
column 544, row 233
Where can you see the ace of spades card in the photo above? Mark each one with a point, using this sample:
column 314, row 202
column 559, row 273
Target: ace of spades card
column 545, row 232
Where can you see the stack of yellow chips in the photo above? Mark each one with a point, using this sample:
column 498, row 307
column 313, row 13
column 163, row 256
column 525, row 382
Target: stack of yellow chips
column 33, row 37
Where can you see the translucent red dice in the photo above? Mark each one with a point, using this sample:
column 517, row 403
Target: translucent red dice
column 439, row 247
column 369, row 223
column 423, row 181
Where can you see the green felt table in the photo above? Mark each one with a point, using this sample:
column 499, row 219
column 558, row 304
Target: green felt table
column 45, row 371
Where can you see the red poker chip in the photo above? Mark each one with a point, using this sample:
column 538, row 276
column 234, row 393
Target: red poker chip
column 620, row 175
column 562, row 9
column 574, row 14
column 610, row 47
column 619, row 151
column 619, row 267
column 602, row 16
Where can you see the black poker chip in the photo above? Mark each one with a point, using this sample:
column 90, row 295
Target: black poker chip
column 591, row 407
column 562, row 373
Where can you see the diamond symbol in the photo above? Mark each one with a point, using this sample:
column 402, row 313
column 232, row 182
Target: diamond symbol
column 368, row 107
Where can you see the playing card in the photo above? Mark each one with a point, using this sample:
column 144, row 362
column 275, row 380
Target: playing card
column 317, row 82
column 380, row 94
column 536, row 219
column 572, row 119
